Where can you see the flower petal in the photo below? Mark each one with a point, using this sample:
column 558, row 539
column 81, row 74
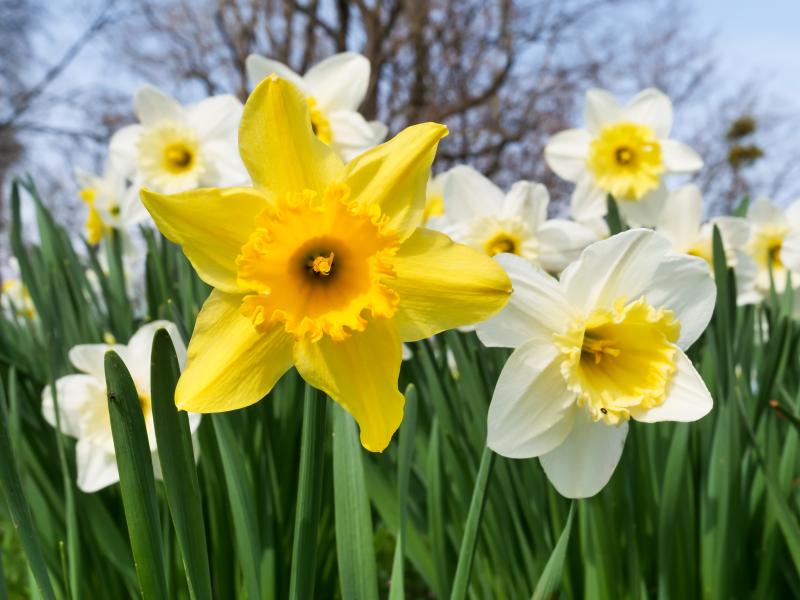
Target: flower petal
column 123, row 149
column 468, row 194
column 360, row 373
column 531, row 410
column 229, row 364
column 90, row 358
column 443, row 285
column 566, row 153
column 352, row 135
column 527, row 200
column 765, row 212
column 152, row 106
column 217, row 117
column 97, row 467
column 137, row 353
column 600, row 110
column 688, row 398
column 582, row 465
column 650, row 107
column 588, row 201
column 680, row 218
column 211, row 225
column 277, row 144
column 395, row 175
column 561, row 243
column 536, row 309
column 646, row 211
column 339, row 82
column 75, row 394
column 259, row 68
column 680, row 158
column 790, row 252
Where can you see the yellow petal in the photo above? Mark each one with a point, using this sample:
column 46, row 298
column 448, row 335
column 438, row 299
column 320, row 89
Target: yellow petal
column 443, row 285
column 276, row 142
column 395, row 175
column 360, row 373
column 94, row 226
column 211, row 225
column 229, row 365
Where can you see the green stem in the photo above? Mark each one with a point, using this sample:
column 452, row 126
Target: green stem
column 309, row 495
column 468, row 544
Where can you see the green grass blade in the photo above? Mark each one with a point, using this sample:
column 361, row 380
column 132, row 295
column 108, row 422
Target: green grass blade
column 470, row 540
column 18, row 506
column 309, row 496
column 137, row 482
column 550, row 580
column 355, row 549
column 613, row 218
column 176, row 455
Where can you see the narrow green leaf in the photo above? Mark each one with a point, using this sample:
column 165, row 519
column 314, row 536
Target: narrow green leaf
column 355, row 549
column 18, row 507
column 137, row 482
column 470, row 540
column 613, row 218
column 309, row 496
column 176, row 455
column 550, row 580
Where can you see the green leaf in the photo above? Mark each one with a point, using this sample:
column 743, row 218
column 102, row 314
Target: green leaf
column 355, row 549
column 550, row 580
column 137, row 482
column 613, row 218
column 176, row 455
column 309, row 496
column 18, row 507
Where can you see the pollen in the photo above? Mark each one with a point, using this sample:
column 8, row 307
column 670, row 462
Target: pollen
column 625, row 160
column 318, row 264
column 620, row 359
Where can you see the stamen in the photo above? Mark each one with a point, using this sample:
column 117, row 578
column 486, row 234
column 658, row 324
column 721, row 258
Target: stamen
column 624, row 155
column 321, row 265
column 599, row 348
column 179, row 157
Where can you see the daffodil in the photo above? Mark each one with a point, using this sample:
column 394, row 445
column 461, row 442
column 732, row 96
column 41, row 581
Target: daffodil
column 83, row 404
column 603, row 344
column 321, row 266
column 112, row 202
column 333, row 89
column 624, row 151
column 681, row 223
column 15, row 300
column 771, row 227
column 176, row 148
column 479, row 214
column 433, row 214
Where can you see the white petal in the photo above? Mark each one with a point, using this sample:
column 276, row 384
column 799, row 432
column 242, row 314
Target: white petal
column 588, row 201
column 527, row 200
column 123, row 149
column 561, row 242
column 339, row 82
column 77, row 395
column 680, row 158
column 536, row 308
column 531, row 410
column 352, row 134
column 379, row 131
column 765, row 212
column 688, row 398
column 647, row 210
column 216, row 118
column 228, row 168
column 97, row 467
column 680, row 218
column 793, row 214
column 582, row 465
column 735, row 232
column 566, row 153
column 468, row 194
column 601, row 109
column 790, row 253
column 90, row 358
column 152, row 106
column 653, row 108
column 620, row 266
column 138, row 351
column 259, row 68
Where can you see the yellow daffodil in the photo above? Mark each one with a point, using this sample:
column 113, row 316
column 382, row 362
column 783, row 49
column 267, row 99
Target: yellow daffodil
column 321, row 266
column 624, row 151
column 603, row 344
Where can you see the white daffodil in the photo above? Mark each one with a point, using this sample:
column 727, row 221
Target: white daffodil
column 15, row 301
column 624, row 151
column 112, row 200
column 84, row 408
column 681, row 223
column 478, row 214
column 176, row 148
column 334, row 89
column 773, row 238
column 601, row 345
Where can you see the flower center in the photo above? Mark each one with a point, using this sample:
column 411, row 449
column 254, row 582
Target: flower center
column 319, row 122
column 625, row 160
column 620, row 359
column 169, row 150
column 503, row 242
column 318, row 264
column 178, row 158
